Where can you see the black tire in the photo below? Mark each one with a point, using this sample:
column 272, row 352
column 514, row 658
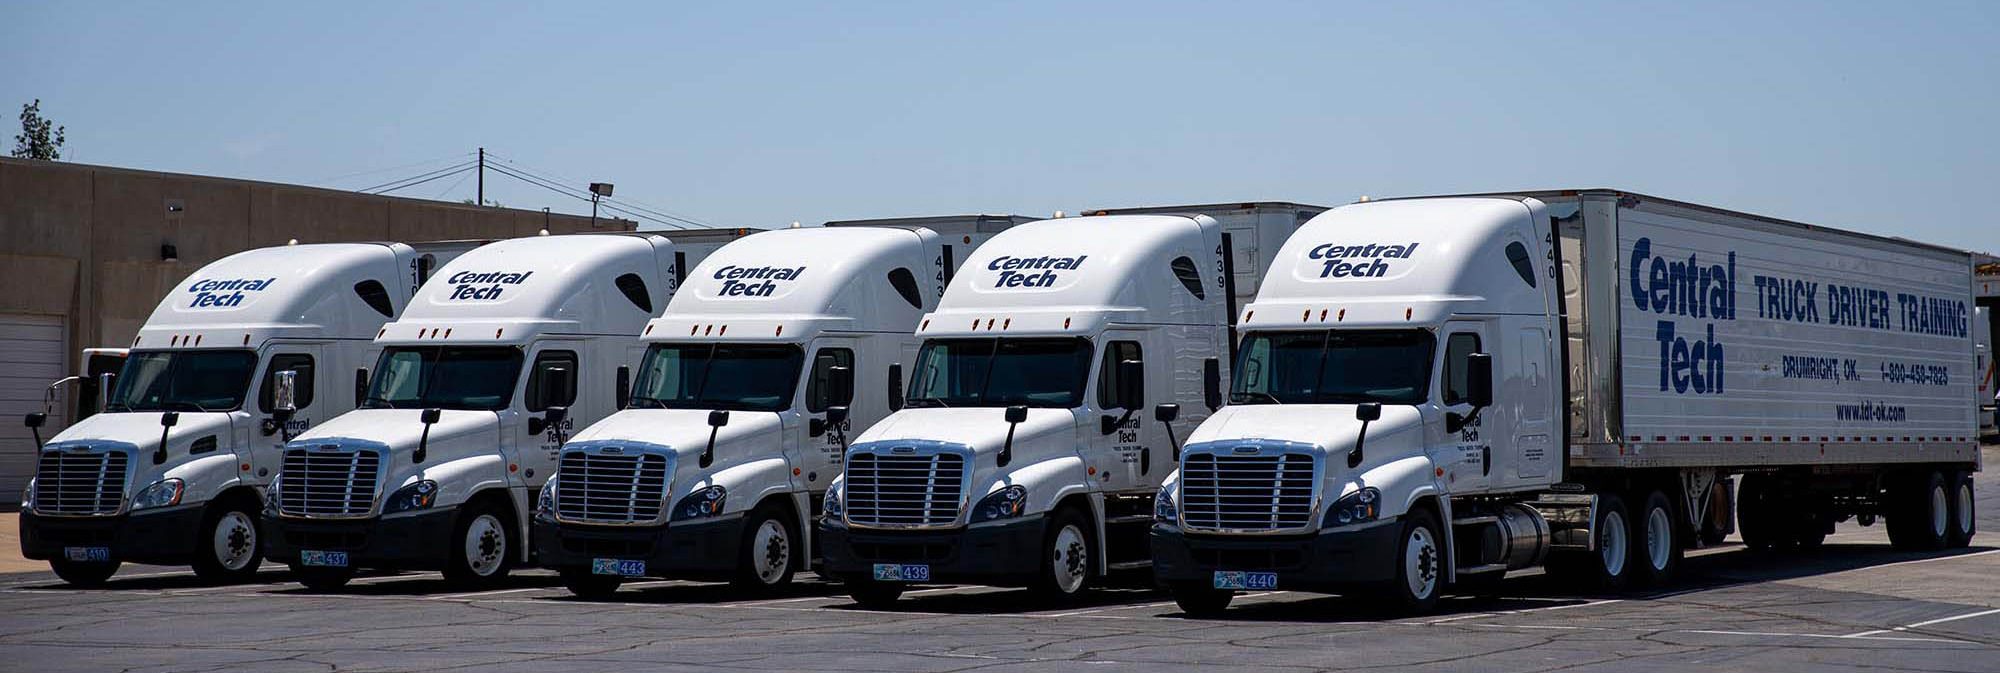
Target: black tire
column 84, row 574
column 874, row 595
column 226, row 546
column 322, row 579
column 1597, row 570
column 1421, row 551
column 1964, row 510
column 494, row 540
column 1657, row 525
column 1914, row 512
column 590, row 586
column 1761, row 515
column 769, row 568
column 1199, row 601
column 1068, row 552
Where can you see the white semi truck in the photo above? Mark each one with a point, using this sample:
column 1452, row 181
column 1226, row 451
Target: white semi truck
column 1435, row 391
column 777, row 346
column 189, row 429
column 1986, row 288
column 1058, row 368
column 500, row 356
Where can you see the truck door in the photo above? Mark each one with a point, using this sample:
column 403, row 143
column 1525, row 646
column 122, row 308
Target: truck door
column 820, row 457
column 1471, row 469
column 264, row 451
column 552, row 382
column 1138, row 453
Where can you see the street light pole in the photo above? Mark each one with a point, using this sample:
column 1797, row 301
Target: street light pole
column 597, row 190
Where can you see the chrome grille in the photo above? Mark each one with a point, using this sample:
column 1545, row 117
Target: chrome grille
column 904, row 491
column 328, row 484
column 80, row 483
column 610, row 488
column 1247, row 493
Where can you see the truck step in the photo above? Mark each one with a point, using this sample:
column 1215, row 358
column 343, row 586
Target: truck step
column 1481, row 570
column 1129, row 520
column 1129, row 565
column 1475, row 520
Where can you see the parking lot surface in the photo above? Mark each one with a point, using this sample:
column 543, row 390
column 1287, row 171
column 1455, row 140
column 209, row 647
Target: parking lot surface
column 1856, row 605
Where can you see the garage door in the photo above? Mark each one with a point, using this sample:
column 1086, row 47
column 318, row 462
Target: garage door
column 31, row 357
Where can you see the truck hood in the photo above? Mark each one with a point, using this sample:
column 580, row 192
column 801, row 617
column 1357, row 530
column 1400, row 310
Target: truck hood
column 140, row 431
column 1331, row 428
column 455, row 433
column 685, row 432
column 984, row 429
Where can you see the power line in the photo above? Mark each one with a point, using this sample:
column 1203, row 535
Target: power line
column 578, row 194
column 416, row 179
column 440, row 176
column 447, row 190
column 357, row 174
column 628, row 203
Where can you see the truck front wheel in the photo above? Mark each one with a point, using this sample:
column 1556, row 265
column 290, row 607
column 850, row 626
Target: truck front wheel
column 227, row 552
column 86, row 574
column 1199, row 600
column 482, row 548
column 1065, row 568
column 765, row 562
column 1419, row 579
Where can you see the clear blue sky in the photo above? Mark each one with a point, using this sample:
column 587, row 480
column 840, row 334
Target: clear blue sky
column 1873, row 116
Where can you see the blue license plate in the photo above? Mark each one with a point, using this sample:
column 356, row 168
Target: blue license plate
column 902, row 572
column 1244, row 581
column 88, row 554
column 619, row 567
column 323, row 559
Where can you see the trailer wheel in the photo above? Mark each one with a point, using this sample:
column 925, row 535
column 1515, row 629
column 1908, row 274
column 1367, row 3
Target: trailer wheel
column 1201, row 601
column 85, row 574
column 872, row 594
column 1657, row 552
column 1607, row 568
column 322, row 579
column 1964, row 522
column 482, row 548
column 588, row 585
column 1760, row 515
column 227, row 550
column 1920, row 518
column 765, row 561
column 1067, row 548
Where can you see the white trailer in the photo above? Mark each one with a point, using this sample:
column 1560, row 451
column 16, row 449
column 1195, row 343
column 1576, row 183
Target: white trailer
column 740, row 414
column 500, row 356
column 1986, row 286
column 1054, row 375
column 1438, row 390
column 172, row 470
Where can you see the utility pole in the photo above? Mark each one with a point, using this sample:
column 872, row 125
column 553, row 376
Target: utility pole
column 482, row 176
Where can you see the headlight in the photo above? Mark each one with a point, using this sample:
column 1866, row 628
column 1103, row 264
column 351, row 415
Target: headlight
column 704, row 503
column 420, row 495
column 545, row 504
column 28, row 496
column 1164, row 510
column 1357, row 507
column 271, row 495
column 1005, row 503
column 162, row 493
column 831, row 505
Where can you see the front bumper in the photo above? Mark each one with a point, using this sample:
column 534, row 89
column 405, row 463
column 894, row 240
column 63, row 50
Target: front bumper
column 695, row 549
column 415, row 542
column 1325, row 560
column 165, row 537
column 1000, row 554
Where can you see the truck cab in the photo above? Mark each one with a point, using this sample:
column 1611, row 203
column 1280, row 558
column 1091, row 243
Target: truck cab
column 776, row 349
column 500, row 357
column 1061, row 362
column 189, row 430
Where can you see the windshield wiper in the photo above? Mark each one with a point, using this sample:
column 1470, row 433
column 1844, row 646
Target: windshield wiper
column 370, row 401
column 1243, row 396
column 645, row 403
column 928, row 402
column 183, row 405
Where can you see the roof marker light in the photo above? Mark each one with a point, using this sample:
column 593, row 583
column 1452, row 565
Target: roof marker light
column 780, row 331
column 1247, row 314
column 1322, row 315
column 1305, row 315
column 496, row 333
column 246, row 339
column 926, row 325
column 1406, row 312
column 197, row 340
column 1005, row 323
column 1065, row 322
column 725, row 329
column 989, row 323
column 135, row 341
column 380, row 332
column 692, row 329
column 649, row 330
column 447, row 332
column 1340, row 316
column 709, row 330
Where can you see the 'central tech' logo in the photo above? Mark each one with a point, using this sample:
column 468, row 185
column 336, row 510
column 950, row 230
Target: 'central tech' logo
column 483, row 286
column 736, row 279
column 1359, row 261
column 224, row 293
column 1032, row 271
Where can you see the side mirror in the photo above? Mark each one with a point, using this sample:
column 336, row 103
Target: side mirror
column 428, row 417
column 168, row 419
column 1479, row 379
column 1368, row 412
column 1166, row 413
column 1014, row 416
column 1131, row 384
column 1016, row 413
column 36, row 420
column 104, row 388
column 624, row 389
column 556, row 415
column 841, row 382
column 360, row 386
column 836, row 415
column 896, row 387
column 284, row 395
column 716, row 419
column 556, row 384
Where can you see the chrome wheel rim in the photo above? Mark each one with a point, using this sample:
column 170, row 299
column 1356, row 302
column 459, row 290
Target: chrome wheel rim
column 1613, row 544
column 1070, row 559
column 234, row 540
column 771, row 551
column 1939, row 514
column 1659, row 538
column 1420, row 563
column 485, row 545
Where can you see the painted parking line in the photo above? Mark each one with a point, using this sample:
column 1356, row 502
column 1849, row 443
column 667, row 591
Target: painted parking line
column 1922, row 624
column 475, row 595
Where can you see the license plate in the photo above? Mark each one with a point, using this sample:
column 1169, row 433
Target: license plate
column 323, row 559
column 902, row 572
column 1232, row 579
column 619, row 567
column 88, row 554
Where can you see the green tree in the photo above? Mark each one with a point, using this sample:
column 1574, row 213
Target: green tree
column 39, row 138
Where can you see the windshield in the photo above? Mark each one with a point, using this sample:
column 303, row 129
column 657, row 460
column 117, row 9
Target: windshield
column 479, row 378
column 183, row 381
column 1333, row 367
column 718, row 376
column 1001, row 372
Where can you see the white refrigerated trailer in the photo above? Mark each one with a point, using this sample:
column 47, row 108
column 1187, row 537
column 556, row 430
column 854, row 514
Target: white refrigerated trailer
column 1438, row 390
